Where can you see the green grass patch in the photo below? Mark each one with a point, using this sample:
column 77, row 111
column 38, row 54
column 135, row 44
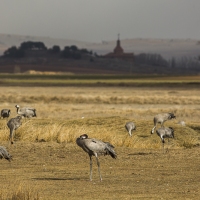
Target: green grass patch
column 96, row 80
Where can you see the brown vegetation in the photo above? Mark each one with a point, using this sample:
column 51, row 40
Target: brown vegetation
column 47, row 164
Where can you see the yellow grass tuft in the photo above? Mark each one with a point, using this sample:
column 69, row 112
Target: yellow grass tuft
column 63, row 114
column 110, row 129
column 19, row 191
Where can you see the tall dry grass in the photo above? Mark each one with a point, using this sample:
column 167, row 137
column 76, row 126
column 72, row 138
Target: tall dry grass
column 100, row 95
column 65, row 113
column 19, row 191
column 107, row 129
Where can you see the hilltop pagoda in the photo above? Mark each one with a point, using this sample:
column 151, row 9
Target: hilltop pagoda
column 118, row 52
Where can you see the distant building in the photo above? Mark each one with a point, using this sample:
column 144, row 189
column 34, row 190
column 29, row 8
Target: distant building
column 118, row 52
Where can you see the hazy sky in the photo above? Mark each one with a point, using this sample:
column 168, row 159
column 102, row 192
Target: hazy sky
column 97, row 20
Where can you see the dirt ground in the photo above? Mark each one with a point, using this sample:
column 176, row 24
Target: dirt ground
column 61, row 171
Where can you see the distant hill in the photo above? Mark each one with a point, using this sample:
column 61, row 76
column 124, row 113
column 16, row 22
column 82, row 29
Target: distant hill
column 168, row 48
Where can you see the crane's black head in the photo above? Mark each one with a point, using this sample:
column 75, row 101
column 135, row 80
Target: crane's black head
column 17, row 106
column 84, row 136
column 171, row 116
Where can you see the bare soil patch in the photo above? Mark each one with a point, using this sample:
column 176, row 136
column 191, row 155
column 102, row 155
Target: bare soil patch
column 61, row 171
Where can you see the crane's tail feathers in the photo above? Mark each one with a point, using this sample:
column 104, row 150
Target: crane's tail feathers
column 111, row 152
column 6, row 156
column 9, row 158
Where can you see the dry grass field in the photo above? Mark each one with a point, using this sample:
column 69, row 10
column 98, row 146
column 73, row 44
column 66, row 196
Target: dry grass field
column 47, row 164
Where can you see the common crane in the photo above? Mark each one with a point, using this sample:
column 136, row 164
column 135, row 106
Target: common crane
column 4, row 154
column 13, row 124
column 95, row 148
column 161, row 118
column 26, row 112
column 130, row 126
column 5, row 113
column 165, row 132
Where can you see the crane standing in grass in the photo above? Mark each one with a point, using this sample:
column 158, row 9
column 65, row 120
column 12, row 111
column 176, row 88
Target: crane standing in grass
column 4, row 154
column 95, row 148
column 161, row 118
column 165, row 132
column 13, row 124
column 26, row 112
column 130, row 126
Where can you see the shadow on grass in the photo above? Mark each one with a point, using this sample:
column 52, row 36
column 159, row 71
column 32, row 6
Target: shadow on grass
column 143, row 136
column 139, row 153
column 57, row 179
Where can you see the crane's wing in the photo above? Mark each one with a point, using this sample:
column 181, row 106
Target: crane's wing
column 95, row 145
column 101, row 147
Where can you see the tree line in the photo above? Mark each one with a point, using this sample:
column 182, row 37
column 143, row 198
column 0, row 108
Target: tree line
column 75, row 53
column 157, row 60
column 68, row 51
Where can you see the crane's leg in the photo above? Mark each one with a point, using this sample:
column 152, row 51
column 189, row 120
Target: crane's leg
column 90, row 168
column 163, row 142
column 152, row 131
column 130, row 133
column 167, row 150
column 98, row 163
column 11, row 135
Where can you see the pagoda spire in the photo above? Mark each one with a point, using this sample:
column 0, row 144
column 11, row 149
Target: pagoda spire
column 118, row 49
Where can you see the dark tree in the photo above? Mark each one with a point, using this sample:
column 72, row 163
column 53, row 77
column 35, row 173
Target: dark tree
column 55, row 49
column 173, row 62
column 13, row 52
column 66, row 53
column 33, row 45
column 151, row 59
column 76, row 55
column 73, row 48
column 84, row 51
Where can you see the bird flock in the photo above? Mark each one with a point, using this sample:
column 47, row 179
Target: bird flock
column 92, row 146
column 13, row 124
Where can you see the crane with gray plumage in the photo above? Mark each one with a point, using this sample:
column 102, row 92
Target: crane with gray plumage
column 165, row 132
column 161, row 118
column 95, row 148
column 5, row 113
column 4, row 154
column 13, row 124
column 26, row 112
column 130, row 126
